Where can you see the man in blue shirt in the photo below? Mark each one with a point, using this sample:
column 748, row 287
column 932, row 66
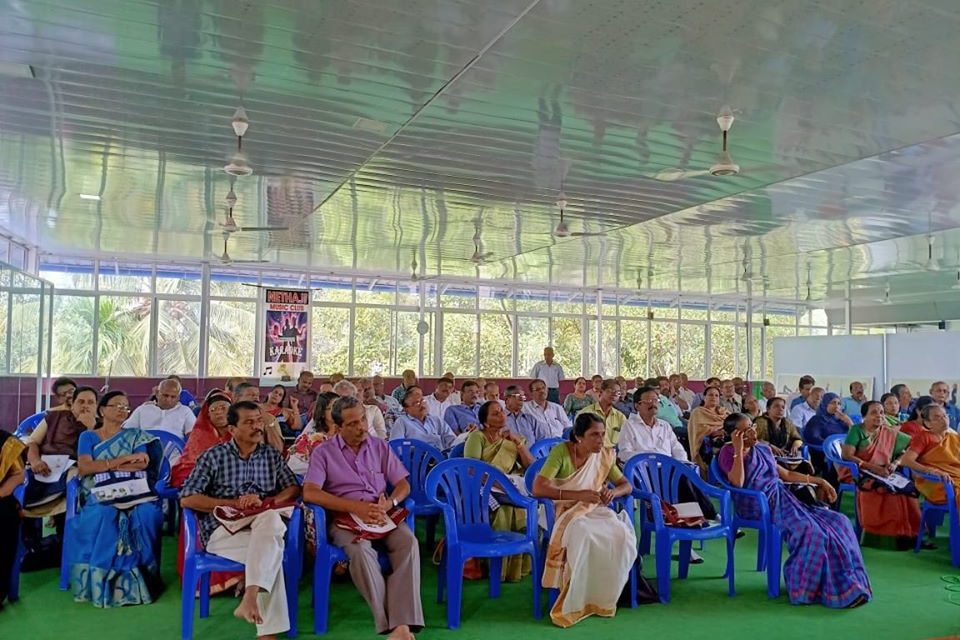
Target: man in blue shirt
column 667, row 410
column 853, row 402
column 940, row 392
column 462, row 417
column 806, row 384
column 415, row 423
column 520, row 423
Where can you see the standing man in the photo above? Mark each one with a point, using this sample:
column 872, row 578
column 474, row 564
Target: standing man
column 550, row 372
column 167, row 414
column 303, row 392
column 852, row 403
column 242, row 473
column 549, row 413
column 463, row 417
column 521, row 423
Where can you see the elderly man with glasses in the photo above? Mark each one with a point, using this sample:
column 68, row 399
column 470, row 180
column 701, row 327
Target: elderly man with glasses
column 417, row 424
column 549, row 413
column 614, row 419
column 521, row 423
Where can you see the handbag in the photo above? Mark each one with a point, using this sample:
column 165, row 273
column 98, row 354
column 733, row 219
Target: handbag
column 646, row 592
column 122, row 489
column 672, row 517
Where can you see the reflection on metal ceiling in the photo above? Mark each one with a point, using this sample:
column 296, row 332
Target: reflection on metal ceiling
column 381, row 131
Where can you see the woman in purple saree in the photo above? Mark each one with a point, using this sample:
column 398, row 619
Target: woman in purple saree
column 825, row 565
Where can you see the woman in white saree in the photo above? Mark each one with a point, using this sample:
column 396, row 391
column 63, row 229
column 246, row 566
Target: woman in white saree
column 591, row 548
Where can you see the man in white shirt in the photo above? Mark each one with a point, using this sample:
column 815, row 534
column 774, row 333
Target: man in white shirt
column 491, row 391
column 802, row 413
column 454, row 394
column 550, row 372
column 549, row 413
column 166, row 414
column 767, row 393
column 440, row 400
column 376, row 425
column 683, row 392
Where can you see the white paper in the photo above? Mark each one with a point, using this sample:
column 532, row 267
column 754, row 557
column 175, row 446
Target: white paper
column 516, row 481
column 688, row 510
column 894, row 480
column 386, row 527
column 58, row 466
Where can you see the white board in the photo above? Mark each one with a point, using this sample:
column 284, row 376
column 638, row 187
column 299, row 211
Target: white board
column 833, row 360
column 920, row 359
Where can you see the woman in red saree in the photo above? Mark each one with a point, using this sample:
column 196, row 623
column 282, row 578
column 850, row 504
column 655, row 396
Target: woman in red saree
column 209, row 430
column 875, row 447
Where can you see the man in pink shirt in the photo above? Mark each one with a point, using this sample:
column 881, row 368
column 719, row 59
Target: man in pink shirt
column 349, row 474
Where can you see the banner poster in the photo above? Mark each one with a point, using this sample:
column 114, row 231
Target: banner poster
column 286, row 334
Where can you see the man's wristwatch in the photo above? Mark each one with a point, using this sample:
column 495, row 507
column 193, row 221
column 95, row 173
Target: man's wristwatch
column 395, row 503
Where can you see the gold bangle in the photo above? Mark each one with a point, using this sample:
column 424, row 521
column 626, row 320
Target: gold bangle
column 561, row 495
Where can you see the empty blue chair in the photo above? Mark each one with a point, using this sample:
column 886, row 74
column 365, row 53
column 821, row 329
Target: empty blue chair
column 327, row 556
column 656, row 479
column 831, row 451
column 462, row 487
column 933, row 513
column 28, row 424
column 198, row 564
column 541, row 448
column 457, row 450
column 172, row 450
column 419, row 458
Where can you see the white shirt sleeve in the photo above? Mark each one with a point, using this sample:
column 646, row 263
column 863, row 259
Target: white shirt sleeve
column 628, row 445
column 133, row 422
column 797, row 416
column 534, row 371
column 560, row 375
column 377, row 423
column 188, row 421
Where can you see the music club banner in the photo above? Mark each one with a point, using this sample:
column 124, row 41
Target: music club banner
column 286, row 333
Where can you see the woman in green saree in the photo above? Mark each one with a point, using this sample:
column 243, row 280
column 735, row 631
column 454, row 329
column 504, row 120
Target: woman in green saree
column 495, row 444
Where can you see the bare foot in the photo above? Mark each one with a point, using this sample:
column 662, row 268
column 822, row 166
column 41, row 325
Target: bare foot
column 248, row 609
column 401, row 633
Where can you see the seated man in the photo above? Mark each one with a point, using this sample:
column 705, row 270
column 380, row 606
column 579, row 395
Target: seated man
column 729, row 399
column 167, row 414
column 246, row 392
column 349, row 474
column 461, row 417
column 242, row 473
column 441, row 399
column 523, row 424
column 667, row 409
column 491, row 391
column 613, row 419
column 416, row 424
column 375, row 421
column 61, row 392
column 549, row 413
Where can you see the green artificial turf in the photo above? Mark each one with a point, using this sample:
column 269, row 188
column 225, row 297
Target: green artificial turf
column 910, row 603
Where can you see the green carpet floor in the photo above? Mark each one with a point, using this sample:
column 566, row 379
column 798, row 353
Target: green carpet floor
column 910, row 603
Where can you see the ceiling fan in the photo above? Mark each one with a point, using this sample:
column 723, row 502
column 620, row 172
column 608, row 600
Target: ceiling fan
column 886, row 295
column 479, row 255
column 226, row 260
column 229, row 225
column 415, row 276
column 562, row 229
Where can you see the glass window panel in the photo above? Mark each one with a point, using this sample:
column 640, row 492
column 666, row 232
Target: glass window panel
column 233, row 328
column 64, row 276
column 382, row 293
column 330, row 342
column 782, row 319
column 459, row 298
column 123, row 336
column 496, row 345
column 460, row 343
column 773, row 333
column 665, row 313
column 634, row 309
column 230, row 285
column 693, row 313
column 756, row 371
column 572, row 308
column 532, row 338
column 633, row 348
column 73, row 322
column 407, row 342
column 568, row 344
column 178, row 337
column 722, row 356
column 741, row 350
column 330, row 292
column 181, row 282
column 693, row 346
column 663, row 348
column 495, row 300
column 134, row 278
column 25, row 325
column 608, row 349
column 371, row 340
column 590, row 325
column 723, row 315
column 803, row 331
column 533, row 302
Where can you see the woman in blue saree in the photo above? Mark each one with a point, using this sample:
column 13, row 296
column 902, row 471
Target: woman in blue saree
column 114, row 559
column 824, row 563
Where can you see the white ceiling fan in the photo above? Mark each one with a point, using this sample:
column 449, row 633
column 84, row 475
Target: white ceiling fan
column 415, row 274
column 562, row 229
column 229, row 225
column 226, row 260
column 479, row 256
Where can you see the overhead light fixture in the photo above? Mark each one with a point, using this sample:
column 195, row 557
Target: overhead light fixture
column 240, row 122
column 725, row 166
column 238, row 165
column 89, row 196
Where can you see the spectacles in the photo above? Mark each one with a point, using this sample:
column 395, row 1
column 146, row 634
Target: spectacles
column 516, row 395
column 119, row 407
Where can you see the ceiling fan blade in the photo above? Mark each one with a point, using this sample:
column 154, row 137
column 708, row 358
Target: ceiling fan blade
column 673, row 175
column 587, row 234
column 249, row 261
column 244, row 229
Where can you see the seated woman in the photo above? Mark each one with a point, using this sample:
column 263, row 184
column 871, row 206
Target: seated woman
column 706, row 423
column 319, row 429
column 591, row 548
column 824, row 564
column 891, row 409
column 287, row 417
column 876, row 448
column 750, row 406
column 11, row 477
column 776, row 429
column 935, row 450
column 507, row 451
column 829, row 420
column 209, row 430
column 115, row 551
column 914, row 424
column 578, row 399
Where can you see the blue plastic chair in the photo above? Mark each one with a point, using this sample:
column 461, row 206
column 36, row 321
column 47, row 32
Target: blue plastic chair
column 933, row 513
column 327, row 556
column 831, row 452
column 198, row 564
column 566, row 433
column 26, row 427
column 462, row 489
column 13, row 590
column 73, row 507
column 541, row 448
column 457, row 450
column 169, row 495
column 762, row 524
column 419, row 458
column 655, row 479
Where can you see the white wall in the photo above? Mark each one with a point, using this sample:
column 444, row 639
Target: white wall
column 836, row 358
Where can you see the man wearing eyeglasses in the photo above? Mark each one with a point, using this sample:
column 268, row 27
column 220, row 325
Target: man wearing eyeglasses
column 167, row 414
column 613, row 418
column 416, row 423
column 521, row 423
column 549, row 413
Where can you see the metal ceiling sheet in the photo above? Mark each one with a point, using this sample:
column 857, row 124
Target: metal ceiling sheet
column 399, row 137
